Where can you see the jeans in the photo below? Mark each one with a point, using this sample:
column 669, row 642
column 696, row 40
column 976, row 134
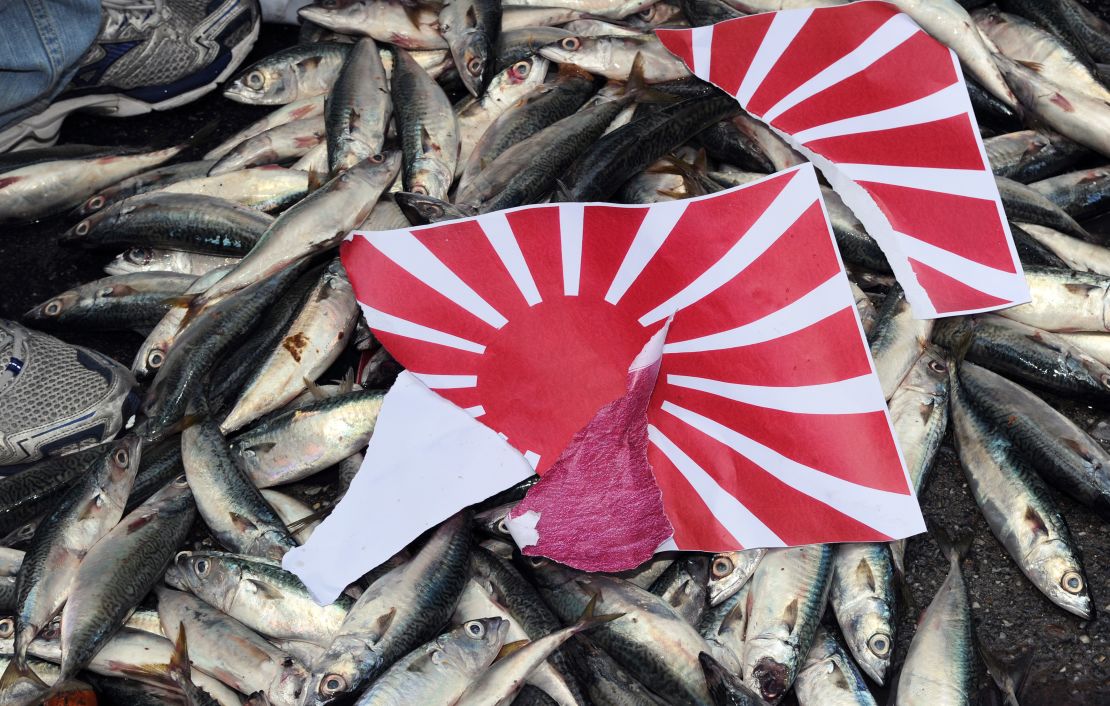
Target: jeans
column 43, row 41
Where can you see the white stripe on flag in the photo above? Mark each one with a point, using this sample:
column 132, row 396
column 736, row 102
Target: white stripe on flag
column 858, row 395
column 797, row 196
column 571, row 216
column 882, row 41
column 701, row 47
column 447, row 382
column 937, row 106
column 997, row 283
column 892, row 514
column 660, row 220
column 402, row 327
column 784, row 27
column 415, row 258
column 501, row 236
column 972, row 183
column 825, row 300
column 740, row 522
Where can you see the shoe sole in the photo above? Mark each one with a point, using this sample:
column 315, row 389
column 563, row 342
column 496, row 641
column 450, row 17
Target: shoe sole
column 42, row 130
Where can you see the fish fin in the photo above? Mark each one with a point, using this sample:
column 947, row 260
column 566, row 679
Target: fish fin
column 1009, row 678
column 1032, row 65
column 510, row 647
column 181, row 300
column 904, row 589
column 317, row 392
column 347, row 384
column 382, row 624
column 241, row 523
column 790, row 615
column 637, row 88
column 315, row 181
column 954, row 548
column 264, row 589
column 178, row 668
column 1035, row 521
column 427, row 144
column 676, row 596
column 16, row 672
column 863, row 570
column 298, row 525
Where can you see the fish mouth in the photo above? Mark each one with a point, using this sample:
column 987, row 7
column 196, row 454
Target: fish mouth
column 771, row 676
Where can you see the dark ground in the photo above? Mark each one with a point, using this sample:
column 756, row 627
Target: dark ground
column 1072, row 665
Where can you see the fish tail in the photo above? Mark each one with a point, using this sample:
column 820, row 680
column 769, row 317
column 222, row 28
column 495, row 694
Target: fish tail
column 954, row 547
column 1009, row 678
column 178, row 668
column 18, row 672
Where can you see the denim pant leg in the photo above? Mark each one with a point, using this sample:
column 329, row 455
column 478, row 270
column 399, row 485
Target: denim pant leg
column 41, row 42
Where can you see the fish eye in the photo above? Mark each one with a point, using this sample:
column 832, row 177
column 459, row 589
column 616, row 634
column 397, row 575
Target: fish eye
column 502, row 526
column 1072, row 582
column 202, row 567
column 181, row 481
column 1105, row 380
column 475, row 66
column 722, row 566
column 646, row 14
column 521, row 69
column 121, row 457
column 81, row 228
column 332, row 684
column 432, row 210
column 255, row 79
column 570, row 43
column 26, row 531
column 52, row 308
column 7, row 628
column 140, row 256
column 95, row 203
column 420, row 190
column 475, row 629
column 537, row 561
column 378, row 158
column 936, row 366
column 879, row 643
column 105, row 292
column 155, row 358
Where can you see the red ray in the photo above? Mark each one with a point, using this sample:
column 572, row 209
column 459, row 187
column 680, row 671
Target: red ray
column 735, row 45
column 707, row 230
column 831, row 443
column 810, row 52
column 795, row 517
column 464, row 248
column 798, row 261
column 946, row 144
column 464, row 397
column 695, row 526
column 920, row 56
column 824, row 352
column 950, row 295
column 537, row 234
column 968, row 227
column 607, row 231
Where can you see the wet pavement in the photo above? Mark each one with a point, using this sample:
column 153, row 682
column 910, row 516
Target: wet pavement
column 1072, row 663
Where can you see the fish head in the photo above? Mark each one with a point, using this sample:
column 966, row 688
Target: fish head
column 140, row 259
column 261, row 84
column 52, row 311
column 289, row 685
column 546, row 574
column 584, row 52
column 336, row 15
column 477, row 63
column 422, row 209
column 1055, row 569
column 531, row 70
column 347, row 665
column 725, row 572
column 770, row 665
column 869, row 635
column 211, row 576
column 123, row 458
column 652, row 15
column 472, row 646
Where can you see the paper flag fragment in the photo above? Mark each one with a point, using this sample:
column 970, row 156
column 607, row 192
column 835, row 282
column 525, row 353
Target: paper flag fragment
column 414, row 476
column 767, row 424
column 882, row 109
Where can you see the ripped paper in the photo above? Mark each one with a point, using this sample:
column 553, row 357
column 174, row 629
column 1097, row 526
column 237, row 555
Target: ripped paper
column 882, row 109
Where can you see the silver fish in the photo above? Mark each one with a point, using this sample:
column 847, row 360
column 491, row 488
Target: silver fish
column 308, row 107
column 862, row 597
column 729, row 571
column 265, row 188
column 283, row 142
column 1064, row 300
column 829, row 678
column 390, row 21
column 143, row 259
column 612, row 57
column 897, row 340
column 358, row 108
column 427, row 126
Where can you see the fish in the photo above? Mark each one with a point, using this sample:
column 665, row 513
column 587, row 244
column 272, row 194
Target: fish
column 868, row 314
column 470, row 28
column 862, row 597
column 265, row 188
column 940, row 662
column 358, row 108
column 652, row 642
column 1076, row 254
column 406, row 25
column 35, row 489
column 788, row 594
column 83, row 515
column 440, row 670
column 398, row 612
column 282, row 143
column 1060, row 18
column 897, row 340
column 505, row 90
column 260, row 594
column 605, row 681
column 1032, row 251
column 297, row 443
column 179, row 671
column 598, row 8
column 726, row 687
column 310, row 344
column 1017, row 506
column 37, row 189
column 142, row 183
column 135, row 301
column 202, row 224
column 829, row 678
column 1030, row 155
column 613, row 57
column 224, row 647
column 702, row 13
column 1082, row 194
column 10, row 561
column 1027, row 205
column 144, row 259
column 1064, row 301
column 522, row 43
column 723, row 627
column 1026, row 353
column 853, row 241
column 427, row 126
column 230, row 505
column 683, row 586
column 1062, row 453
column 120, row 570
column 289, row 75
column 308, row 107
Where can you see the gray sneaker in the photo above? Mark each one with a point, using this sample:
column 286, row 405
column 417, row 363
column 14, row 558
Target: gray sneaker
column 149, row 55
column 55, row 397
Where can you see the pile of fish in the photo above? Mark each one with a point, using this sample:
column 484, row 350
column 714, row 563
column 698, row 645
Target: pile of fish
column 389, row 113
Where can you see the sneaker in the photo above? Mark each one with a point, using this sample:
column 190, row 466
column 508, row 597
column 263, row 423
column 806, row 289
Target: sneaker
column 149, row 55
column 56, row 398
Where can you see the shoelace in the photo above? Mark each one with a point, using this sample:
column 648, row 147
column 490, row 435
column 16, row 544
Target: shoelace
column 121, row 14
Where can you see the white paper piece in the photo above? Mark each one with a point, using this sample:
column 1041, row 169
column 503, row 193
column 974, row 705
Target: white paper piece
column 427, row 460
